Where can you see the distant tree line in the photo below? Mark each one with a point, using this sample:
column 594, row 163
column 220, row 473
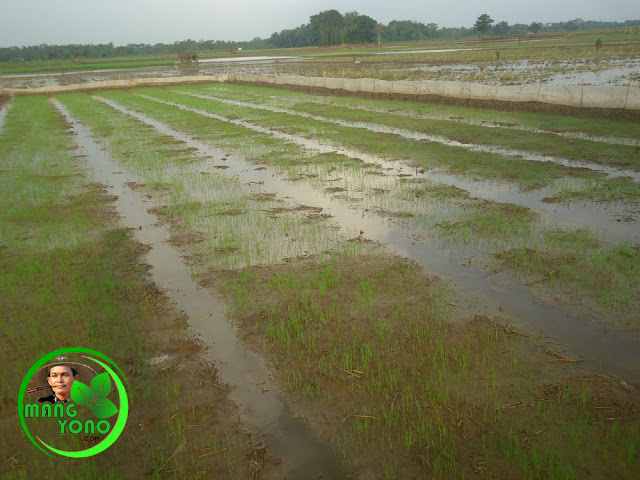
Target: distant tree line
column 326, row 28
column 503, row 28
column 331, row 28
column 76, row 52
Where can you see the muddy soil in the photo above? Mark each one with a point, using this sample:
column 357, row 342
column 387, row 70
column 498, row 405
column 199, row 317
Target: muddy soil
column 261, row 409
column 356, row 414
column 556, row 318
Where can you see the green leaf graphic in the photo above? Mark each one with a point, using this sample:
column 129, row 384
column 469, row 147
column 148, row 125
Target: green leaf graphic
column 101, row 385
column 81, row 393
column 103, row 408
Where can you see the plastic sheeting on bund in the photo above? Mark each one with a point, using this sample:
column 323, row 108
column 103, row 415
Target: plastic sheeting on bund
column 581, row 96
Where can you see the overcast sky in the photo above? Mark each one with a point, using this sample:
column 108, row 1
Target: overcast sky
column 56, row 22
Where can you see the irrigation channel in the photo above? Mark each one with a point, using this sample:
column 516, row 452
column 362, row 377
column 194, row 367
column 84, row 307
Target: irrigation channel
column 599, row 345
column 254, row 391
column 3, row 115
column 594, row 216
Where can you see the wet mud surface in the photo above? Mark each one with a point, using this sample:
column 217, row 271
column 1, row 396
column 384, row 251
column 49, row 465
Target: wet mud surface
column 457, row 119
column 511, row 153
column 384, row 350
column 76, row 247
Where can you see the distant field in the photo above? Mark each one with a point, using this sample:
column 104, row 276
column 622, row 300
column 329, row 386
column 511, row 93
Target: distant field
column 556, row 47
column 7, row 69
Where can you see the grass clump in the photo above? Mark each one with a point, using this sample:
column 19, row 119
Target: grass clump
column 574, row 261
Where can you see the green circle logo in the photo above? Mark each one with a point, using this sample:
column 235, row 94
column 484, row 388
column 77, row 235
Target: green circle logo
column 75, row 404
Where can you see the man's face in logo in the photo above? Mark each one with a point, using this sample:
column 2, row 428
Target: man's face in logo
column 61, row 379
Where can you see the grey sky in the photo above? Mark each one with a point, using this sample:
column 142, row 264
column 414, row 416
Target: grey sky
column 33, row 22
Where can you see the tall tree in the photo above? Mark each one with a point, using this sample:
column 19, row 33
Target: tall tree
column 360, row 30
column 327, row 27
column 378, row 30
column 535, row 27
column 405, row 30
column 501, row 28
column 483, row 24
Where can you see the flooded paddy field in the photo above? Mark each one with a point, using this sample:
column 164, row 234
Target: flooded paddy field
column 588, row 71
column 71, row 273
column 559, row 60
column 377, row 288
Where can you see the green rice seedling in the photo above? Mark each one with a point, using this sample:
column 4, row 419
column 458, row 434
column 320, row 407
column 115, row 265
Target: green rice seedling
column 495, row 227
column 557, row 123
column 425, row 154
column 541, row 143
column 68, row 267
column 362, row 336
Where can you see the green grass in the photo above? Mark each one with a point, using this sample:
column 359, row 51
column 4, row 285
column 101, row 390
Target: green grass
column 233, row 225
column 398, row 114
column 609, row 274
column 498, row 227
column 599, row 190
column 365, row 342
column 543, row 144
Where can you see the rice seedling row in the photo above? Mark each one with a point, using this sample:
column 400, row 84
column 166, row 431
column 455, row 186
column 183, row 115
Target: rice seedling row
column 251, row 387
column 602, row 219
column 623, row 185
column 473, row 137
column 526, row 173
column 541, row 271
column 366, row 346
column 603, row 130
column 427, row 155
column 70, row 276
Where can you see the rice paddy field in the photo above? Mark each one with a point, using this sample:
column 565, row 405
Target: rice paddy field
column 398, row 289
column 570, row 58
